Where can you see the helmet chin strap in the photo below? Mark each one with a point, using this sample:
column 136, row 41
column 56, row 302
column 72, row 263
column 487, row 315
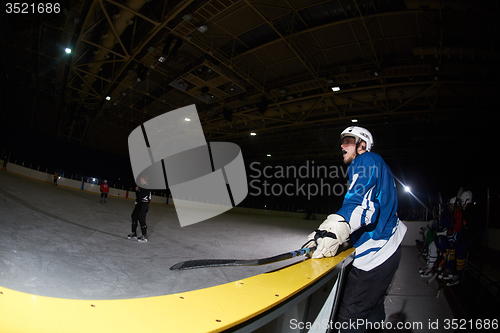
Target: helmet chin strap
column 359, row 145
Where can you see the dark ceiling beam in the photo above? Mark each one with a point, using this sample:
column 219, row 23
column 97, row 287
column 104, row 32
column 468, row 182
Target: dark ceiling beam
column 329, row 25
column 363, row 20
column 398, row 111
column 287, row 41
column 145, row 42
column 135, row 12
column 234, row 63
column 125, row 13
column 113, row 28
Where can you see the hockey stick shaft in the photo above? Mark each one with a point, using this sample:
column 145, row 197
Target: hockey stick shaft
column 202, row 263
column 433, row 277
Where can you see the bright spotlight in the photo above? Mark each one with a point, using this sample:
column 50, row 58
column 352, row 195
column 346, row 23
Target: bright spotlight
column 407, row 188
column 67, row 50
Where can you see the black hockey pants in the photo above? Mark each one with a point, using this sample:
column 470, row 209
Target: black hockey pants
column 139, row 215
column 364, row 294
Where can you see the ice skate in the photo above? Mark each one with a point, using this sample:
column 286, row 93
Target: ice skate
column 454, row 281
column 427, row 272
column 423, row 269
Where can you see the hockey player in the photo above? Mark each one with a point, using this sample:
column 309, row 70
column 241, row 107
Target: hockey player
column 432, row 254
column 104, row 191
column 368, row 217
column 143, row 197
column 438, row 252
column 458, row 243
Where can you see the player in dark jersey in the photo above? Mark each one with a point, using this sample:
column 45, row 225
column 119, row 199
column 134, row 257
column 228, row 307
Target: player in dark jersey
column 143, row 197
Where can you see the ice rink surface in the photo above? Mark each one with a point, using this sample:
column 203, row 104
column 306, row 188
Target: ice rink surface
column 62, row 242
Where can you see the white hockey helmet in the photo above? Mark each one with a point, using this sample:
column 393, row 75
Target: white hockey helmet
column 466, row 198
column 105, row 181
column 359, row 133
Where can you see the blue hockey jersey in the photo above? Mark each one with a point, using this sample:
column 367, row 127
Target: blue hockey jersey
column 370, row 206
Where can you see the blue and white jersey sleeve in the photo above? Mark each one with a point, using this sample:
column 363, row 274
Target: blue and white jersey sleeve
column 360, row 204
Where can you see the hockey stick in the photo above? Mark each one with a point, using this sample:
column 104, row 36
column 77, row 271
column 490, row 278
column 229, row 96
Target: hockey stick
column 433, row 277
column 202, row 263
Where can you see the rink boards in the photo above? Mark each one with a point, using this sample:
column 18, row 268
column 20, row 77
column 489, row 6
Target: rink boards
column 256, row 300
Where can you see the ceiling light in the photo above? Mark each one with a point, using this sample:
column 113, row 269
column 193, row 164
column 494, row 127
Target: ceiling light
column 108, row 98
column 253, row 134
column 187, row 17
column 268, row 155
column 67, row 50
column 204, row 28
column 335, row 88
column 354, row 120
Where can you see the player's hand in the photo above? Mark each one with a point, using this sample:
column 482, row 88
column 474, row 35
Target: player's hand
column 329, row 236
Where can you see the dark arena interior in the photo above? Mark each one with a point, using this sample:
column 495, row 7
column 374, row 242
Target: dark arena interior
column 281, row 79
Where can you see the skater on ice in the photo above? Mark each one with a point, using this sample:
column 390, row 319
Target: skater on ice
column 104, row 191
column 143, row 198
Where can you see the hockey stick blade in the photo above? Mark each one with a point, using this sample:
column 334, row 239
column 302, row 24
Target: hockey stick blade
column 202, row 263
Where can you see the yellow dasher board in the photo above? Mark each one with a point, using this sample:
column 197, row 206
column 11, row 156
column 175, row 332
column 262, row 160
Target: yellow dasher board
column 213, row 309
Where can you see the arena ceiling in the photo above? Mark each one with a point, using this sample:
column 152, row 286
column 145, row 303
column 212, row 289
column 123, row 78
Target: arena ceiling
column 422, row 75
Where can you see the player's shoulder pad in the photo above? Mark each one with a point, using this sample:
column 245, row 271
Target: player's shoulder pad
column 370, row 158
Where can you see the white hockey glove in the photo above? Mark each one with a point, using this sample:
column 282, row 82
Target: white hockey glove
column 329, row 236
column 442, row 233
